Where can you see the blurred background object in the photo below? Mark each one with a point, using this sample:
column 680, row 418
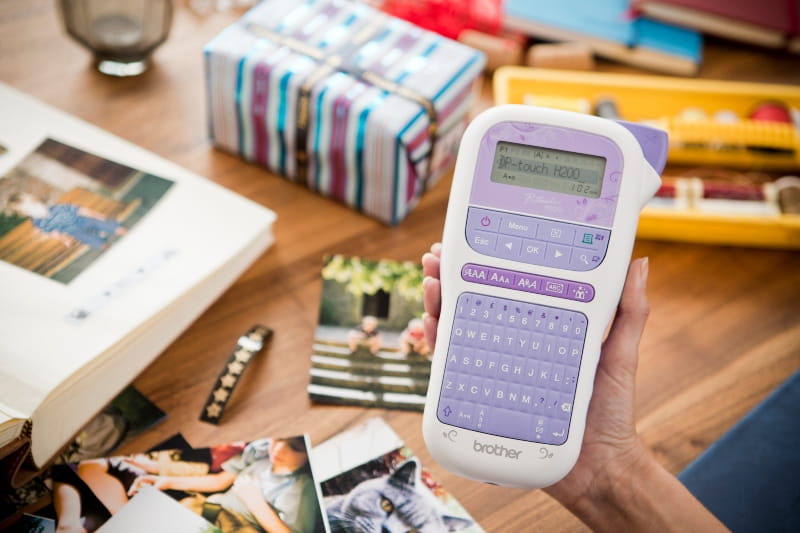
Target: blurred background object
column 120, row 33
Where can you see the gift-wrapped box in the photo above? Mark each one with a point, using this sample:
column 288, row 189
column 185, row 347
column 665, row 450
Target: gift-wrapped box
column 360, row 106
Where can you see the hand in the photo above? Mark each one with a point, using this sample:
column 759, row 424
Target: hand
column 159, row 482
column 248, row 489
column 616, row 484
column 610, row 445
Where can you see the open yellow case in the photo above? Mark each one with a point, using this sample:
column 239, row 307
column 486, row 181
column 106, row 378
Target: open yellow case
column 662, row 101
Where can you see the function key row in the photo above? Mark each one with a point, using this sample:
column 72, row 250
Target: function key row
column 536, row 241
column 522, row 281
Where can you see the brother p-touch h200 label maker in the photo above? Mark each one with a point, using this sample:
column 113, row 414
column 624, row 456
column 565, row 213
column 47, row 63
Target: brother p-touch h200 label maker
column 537, row 240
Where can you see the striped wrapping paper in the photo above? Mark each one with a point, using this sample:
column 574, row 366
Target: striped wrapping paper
column 362, row 107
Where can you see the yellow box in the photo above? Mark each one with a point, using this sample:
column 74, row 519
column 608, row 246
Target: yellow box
column 660, row 101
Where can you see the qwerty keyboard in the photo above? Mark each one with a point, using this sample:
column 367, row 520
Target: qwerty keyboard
column 512, row 368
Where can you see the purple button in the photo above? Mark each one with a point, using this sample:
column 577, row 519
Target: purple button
column 580, row 292
column 565, row 406
column 555, row 287
column 474, row 388
column 579, row 327
column 562, row 349
column 552, row 402
column 465, row 415
column 483, row 219
column 481, row 417
column 500, row 278
column 570, row 379
column 557, row 255
column 522, row 342
column 461, row 387
column 460, row 328
column 514, row 398
column 481, row 241
column 531, row 369
column 475, row 273
column 519, row 226
column 540, row 429
column 513, row 424
column 447, row 413
column 584, row 259
column 555, row 232
column 538, row 400
column 558, row 377
column 533, row 252
column 592, row 239
column 556, row 432
column 500, row 393
column 449, row 384
column 527, row 282
column 543, row 379
column 508, row 247
column 575, row 352
column 466, row 360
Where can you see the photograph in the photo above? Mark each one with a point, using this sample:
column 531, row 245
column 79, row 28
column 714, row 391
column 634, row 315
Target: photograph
column 129, row 414
column 369, row 346
column 366, row 488
column 61, row 208
column 241, row 487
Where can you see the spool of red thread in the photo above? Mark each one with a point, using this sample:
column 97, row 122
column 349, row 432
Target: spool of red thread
column 771, row 112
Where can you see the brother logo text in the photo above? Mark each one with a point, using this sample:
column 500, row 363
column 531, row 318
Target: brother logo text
column 496, row 449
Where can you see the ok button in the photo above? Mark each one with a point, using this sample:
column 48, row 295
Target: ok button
column 533, row 252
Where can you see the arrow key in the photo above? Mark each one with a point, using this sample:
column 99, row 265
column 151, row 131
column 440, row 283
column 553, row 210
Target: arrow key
column 508, row 247
column 557, row 255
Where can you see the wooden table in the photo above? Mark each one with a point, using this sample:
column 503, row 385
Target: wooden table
column 723, row 332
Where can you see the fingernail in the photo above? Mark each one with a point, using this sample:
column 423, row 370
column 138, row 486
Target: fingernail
column 644, row 268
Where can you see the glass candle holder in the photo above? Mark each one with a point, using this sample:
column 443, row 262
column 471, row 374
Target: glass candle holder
column 121, row 34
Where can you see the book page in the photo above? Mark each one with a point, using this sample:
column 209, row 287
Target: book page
column 137, row 233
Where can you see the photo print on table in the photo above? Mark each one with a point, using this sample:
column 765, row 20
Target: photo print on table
column 233, row 487
column 371, row 481
column 369, row 346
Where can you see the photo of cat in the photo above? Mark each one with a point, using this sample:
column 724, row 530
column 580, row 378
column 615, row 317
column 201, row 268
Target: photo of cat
column 391, row 503
column 370, row 481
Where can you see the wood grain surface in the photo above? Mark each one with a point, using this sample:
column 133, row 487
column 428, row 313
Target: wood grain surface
column 724, row 328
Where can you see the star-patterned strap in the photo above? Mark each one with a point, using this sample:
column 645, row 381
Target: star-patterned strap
column 248, row 345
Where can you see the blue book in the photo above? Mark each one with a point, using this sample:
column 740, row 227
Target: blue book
column 611, row 30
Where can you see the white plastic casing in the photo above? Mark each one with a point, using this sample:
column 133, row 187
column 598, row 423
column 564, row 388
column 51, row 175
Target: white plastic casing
column 532, row 464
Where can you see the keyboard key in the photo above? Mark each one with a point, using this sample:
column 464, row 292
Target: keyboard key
column 532, row 252
column 508, row 247
column 517, row 225
column 481, row 241
column 508, row 422
column 555, row 232
column 483, row 219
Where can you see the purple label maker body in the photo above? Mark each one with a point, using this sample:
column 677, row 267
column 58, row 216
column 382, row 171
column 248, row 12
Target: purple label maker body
column 538, row 236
